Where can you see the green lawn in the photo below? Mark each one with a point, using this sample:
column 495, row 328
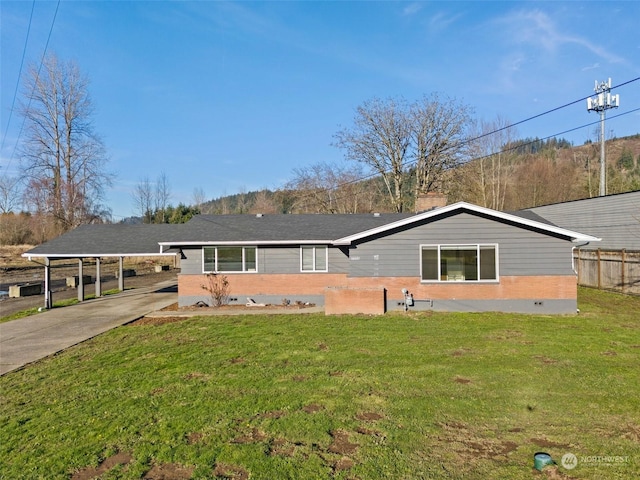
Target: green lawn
column 400, row 396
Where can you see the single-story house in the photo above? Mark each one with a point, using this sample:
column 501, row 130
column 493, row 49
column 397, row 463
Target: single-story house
column 459, row 257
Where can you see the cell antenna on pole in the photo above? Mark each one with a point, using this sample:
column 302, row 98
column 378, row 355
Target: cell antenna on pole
column 601, row 102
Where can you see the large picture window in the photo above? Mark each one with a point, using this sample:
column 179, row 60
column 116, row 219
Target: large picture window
column 459, row 263
column 229, row 259
column 313, row 258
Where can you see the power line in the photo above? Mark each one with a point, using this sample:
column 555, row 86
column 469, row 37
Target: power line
column 15, row 92
column 515, row 147
column 53, row 21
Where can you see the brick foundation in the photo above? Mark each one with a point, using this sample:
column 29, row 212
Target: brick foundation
column 369, row 301
column 353, row 293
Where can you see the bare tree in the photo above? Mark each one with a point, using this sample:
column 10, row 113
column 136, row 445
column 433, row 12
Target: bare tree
column 439, row 139
column 264, row 203
column 199, row 198
column 493, row 167
column 152, row 200
column 242, row 201
column 330, row 188
column 392, row 136
column 9, row 194
column 380, row 139
column 161, row 197
column 143, row 199
column 61, row 152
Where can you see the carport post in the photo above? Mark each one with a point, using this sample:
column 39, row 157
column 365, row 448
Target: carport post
column 80, row 281
column 98, row 284
column 48, row 302
column 120, row 277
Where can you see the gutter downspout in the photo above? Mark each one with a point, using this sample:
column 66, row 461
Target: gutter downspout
column 573, row 263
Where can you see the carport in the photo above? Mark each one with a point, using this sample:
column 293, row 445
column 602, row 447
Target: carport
column 98, row 242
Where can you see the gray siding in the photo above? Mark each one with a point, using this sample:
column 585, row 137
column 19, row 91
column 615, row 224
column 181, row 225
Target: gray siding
column 193, row 263
column 271, row 259
column 520, row 251
column 614, row 218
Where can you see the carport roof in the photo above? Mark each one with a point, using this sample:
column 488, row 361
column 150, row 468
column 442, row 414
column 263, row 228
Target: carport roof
column 109, row 240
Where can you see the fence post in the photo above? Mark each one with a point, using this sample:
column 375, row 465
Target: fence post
column 599, row 271
column 622, row 270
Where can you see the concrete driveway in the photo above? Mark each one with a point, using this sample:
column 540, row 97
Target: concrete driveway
column 32, row 338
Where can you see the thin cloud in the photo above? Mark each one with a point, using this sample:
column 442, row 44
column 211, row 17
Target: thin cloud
column 591, row 67
column 441, row 21
column 536, row 28
column 412, row 9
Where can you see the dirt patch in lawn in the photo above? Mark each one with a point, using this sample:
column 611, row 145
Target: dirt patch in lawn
column 272, row 414
column 107, row 464
column 462, row 380
column 255, row 435
column 312, row 408
column 344, row 463
column 369, row 416
column 553, row 473
column 471, row 446
column 194, row 437
column 281, row 447
column 632, row 432
column 235, row 472
column 341, row 444
column 156, row 321
column 545, row 360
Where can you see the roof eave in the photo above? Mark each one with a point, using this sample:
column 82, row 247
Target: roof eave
column 245, row 243
column 573, row 236
column 93, row 255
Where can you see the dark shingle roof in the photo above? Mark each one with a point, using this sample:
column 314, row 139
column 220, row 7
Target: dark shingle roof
column 120, row 239
column 529, row 215
column 281, row 228
column 107, row 240
column 116, row 240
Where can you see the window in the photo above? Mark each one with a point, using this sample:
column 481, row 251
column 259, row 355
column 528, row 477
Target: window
column 229, row 259
column 459, row 263
column 313, row 259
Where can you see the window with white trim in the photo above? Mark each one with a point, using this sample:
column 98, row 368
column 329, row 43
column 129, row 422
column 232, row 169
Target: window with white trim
column 459, row 263
column 313, row 258
column 229, row 259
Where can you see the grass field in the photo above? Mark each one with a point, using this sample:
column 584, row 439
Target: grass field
column 400, row 396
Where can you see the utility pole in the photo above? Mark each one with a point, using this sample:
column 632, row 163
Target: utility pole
column 602, row 102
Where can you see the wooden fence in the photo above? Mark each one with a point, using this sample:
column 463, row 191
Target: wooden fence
column 608, row 270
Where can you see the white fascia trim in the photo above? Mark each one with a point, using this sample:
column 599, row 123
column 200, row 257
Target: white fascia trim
column 243, row 243
column 575, row 236
column 93, row 255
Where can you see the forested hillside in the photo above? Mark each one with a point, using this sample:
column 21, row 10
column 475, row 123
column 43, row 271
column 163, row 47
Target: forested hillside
column 527, row 173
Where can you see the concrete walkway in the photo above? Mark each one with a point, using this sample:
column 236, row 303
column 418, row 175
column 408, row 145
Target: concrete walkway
column 32, row 338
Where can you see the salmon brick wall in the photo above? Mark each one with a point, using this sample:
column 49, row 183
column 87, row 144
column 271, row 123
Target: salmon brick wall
column 538, row 287
column 369, row 301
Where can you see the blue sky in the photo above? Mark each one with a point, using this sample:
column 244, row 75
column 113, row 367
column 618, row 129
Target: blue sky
column 233, row 96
